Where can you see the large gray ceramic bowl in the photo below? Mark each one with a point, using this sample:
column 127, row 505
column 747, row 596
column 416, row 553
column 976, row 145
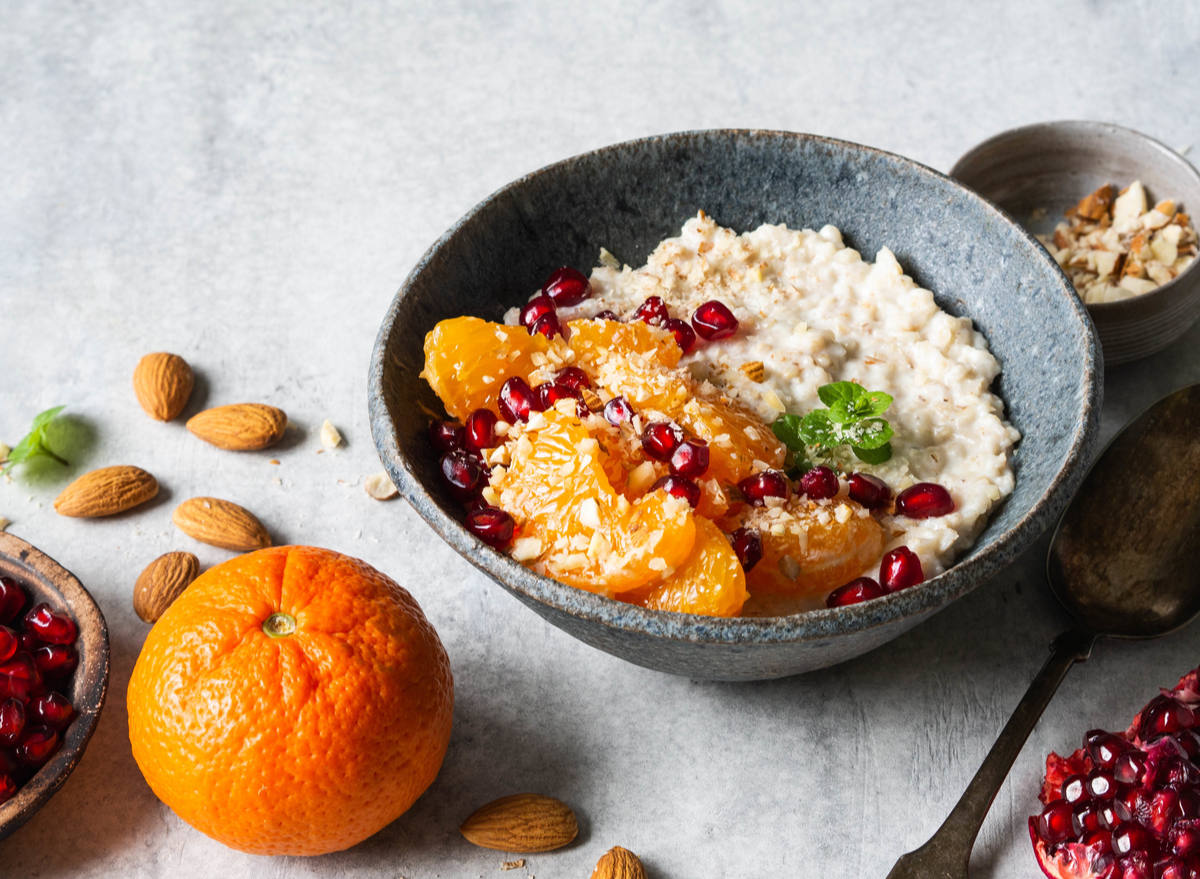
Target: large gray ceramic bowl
column 629, row 197
column 1048, row 167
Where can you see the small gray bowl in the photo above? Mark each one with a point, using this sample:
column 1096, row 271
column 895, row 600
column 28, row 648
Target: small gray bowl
column 1052, row 166
column 629, row 197
column 46, row 580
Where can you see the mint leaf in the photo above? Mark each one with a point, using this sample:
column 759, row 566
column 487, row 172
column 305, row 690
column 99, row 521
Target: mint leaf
column 817, row 430
column 839, row 391
column 787, row 430
column 33, row 444
column 877, row 403
column 873, row 456
column 870, row 434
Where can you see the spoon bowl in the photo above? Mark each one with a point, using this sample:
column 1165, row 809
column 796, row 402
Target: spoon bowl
column 1125, row 562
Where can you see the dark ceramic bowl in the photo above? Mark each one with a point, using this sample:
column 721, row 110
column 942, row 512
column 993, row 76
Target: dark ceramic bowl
column 45, row 580
column 1051, row 166
column 629, row 197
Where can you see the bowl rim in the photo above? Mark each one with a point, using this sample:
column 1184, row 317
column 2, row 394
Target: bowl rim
column 1114, row 309
column 807, row 626
column 93, row 673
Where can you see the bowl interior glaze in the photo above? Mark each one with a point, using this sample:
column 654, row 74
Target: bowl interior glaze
column 629, row 197
column 46, row 580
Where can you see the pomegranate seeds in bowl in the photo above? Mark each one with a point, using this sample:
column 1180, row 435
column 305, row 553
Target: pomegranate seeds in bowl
column 1126, row 804
column 34, row 709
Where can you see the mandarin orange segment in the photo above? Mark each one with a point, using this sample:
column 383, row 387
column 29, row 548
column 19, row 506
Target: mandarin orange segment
column 710, row 581
column 633, row 360
column 736, row 439
column 587, row 535
column 467, row 360
column 292, row 701
column 810, row 549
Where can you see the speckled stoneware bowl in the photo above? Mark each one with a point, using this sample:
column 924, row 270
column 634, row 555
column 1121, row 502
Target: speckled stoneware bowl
column 1049, row 167
column 629, row 197
column 46, row 580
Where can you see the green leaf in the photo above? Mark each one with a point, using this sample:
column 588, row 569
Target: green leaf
column 838, row 391
column 816, row 429
column 873, row 456
column 870, row 434
column 787, row 430
column 878, row 403
column 33, row 444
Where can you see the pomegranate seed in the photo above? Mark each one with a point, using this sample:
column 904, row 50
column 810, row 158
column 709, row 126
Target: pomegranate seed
column 1190, row 742
column 1170, row 868
column 446, row 437
column 567, row 286
column 535, row 309
column 1188, row 805
column 547, row 325
column 30, row 642
column 479, row 430
column 760, row 486
column 1101, row 785
column 819, row 483
column 1134, row 806
column 22, row 667
column 1184, row 836
column 1163, row 805
column 1101, row 840
column 573, row 377
column 1085, row 819
column 9, row 642
column 660, row 439
column 12, row 598
column 713, row 320
column 1178, row 773
column 652, row 311
column 1136, row 866
column 8, row 788
column 1054, row 824
column 1165, row 715
column 37, row 745
column 551, row 392
column 9, row 764
column 1128, row 837
column 463, row 474
column 50, row 626
column 900, row 569
column 855, row 591
column 1107, row 811
column 685, row 336
column 12, row 721
column 678, row 486
column 55, row 660
column 52, row 710
column 617, row 410
column 1104, row 747
column 924, row 501
column 690, row 459
column 1130, row 767
column 517, row 400
column 14, row 688
column 747, row 543
column 1073, row 789
column 869, row 491
column 607, row 315
column 493, row 526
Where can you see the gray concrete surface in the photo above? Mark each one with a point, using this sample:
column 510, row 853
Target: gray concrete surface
column 247, row 184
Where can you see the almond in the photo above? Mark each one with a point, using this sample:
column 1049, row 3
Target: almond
column 241, row 427
column 619, row 863
column 754, row 370
column 220, row 523
column 163, row 383
column 162, row 582
column 521, row 823
column 106, row 491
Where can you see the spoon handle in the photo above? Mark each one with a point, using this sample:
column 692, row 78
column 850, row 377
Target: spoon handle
column 948, row 851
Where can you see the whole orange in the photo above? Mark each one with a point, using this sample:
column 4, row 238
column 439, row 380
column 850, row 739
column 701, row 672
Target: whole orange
column 292, row 701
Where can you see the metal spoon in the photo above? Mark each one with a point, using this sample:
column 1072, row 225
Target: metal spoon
column 1125, row 562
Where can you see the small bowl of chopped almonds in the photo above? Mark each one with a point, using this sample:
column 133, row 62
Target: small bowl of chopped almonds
column 1114, row 208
